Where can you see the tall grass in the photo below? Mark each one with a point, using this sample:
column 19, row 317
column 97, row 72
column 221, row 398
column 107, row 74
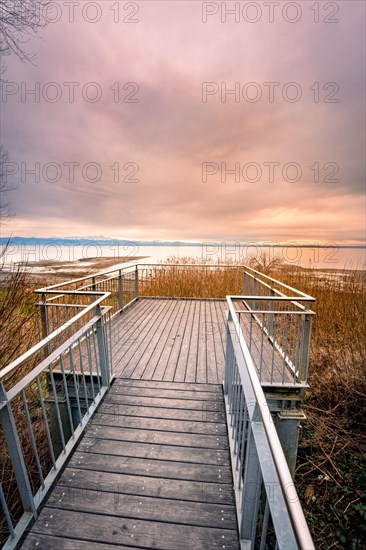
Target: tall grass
column 331, row 473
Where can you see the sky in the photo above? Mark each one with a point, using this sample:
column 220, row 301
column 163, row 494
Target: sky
column 178, row 120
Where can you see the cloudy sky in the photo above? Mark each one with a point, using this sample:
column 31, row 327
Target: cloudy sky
column 176, row 120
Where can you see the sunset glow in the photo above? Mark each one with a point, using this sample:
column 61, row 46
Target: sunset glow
column 170, row 127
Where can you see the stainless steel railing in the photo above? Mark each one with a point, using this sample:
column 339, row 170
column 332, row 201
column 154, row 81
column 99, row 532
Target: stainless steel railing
column 47, row 396
column 72, row 362
column 268, row 508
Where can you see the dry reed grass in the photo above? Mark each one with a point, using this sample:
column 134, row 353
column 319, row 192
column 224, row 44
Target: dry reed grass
column 331, row 474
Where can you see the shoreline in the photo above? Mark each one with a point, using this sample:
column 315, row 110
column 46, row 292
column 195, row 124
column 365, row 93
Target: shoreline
column 60, row 270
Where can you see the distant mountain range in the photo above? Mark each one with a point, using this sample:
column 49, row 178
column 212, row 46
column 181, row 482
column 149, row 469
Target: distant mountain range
column 106, row 241
column 90, row 240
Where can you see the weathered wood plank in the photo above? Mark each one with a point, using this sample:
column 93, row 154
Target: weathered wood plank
column 46, row 542
column 211, row 328
column 156, row 345
column 125, row 323
column 139, row 533
column 142, row 331
column 191, row 404
column 157, row 468
column 182, row 386
column 200, row 415
column 172, row 362
column 154, row 451
column 201, row 373
column 158, row 424
column 180, row 371
column 166, row 351
column 124, row 330
column 163, row 438
column 198, row 491
column 159, row 342
column 166, row 393
column 218, row 315
column 140, row 507
column 191, row 364
column 146, row 345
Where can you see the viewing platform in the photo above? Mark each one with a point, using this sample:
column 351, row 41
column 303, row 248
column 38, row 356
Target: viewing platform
column 161, row 409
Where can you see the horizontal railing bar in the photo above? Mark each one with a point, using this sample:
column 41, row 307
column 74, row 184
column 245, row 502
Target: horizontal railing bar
column 291, row 385
column 276, row 291
column 101, row 281
column 127, row 265
column 293, row 300
column 45, row 341
column 270, row 298
column 181, row 298
column 278, row 282
column 48, row 304
column 28, row 378
column 75, row 292
column 276, row 311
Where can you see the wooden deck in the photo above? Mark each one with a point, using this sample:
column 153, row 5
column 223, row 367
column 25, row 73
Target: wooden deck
column 171, row 339
column 184, row 341
column 153, row 468
column 152, row 471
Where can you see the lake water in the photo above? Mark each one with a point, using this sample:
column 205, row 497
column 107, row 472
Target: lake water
column 321, row 257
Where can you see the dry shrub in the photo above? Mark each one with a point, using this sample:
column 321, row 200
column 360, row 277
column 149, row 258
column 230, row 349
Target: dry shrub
column 337, row 374
column 18, row 326
column 179, row 280
column 18, row 332
column 331, row 474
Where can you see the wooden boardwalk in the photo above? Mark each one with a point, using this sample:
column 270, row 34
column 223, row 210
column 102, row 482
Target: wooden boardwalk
column 184, row 341
column 152, row 471
column 153, row 468
column 171, row 339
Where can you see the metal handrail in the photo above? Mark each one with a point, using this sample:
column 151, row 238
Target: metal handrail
column 45, row 341
column 141, row 264
column 88, row 379
column 293, row 505
column 54, row 293
column 298, row 296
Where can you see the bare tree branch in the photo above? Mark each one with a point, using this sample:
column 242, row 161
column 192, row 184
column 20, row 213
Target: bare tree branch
column 5, row 187
column 19, row 20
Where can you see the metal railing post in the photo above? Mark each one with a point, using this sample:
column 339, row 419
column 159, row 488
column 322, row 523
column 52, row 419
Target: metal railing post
column 45, row 323
column 102, row 350
column 245, row 283
column 136, row 281
column 254, row 290
column 305, row 345
column 228, row 356
column 270, row 315
column 15, row 453
column 251, row 493
column 120, row 289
